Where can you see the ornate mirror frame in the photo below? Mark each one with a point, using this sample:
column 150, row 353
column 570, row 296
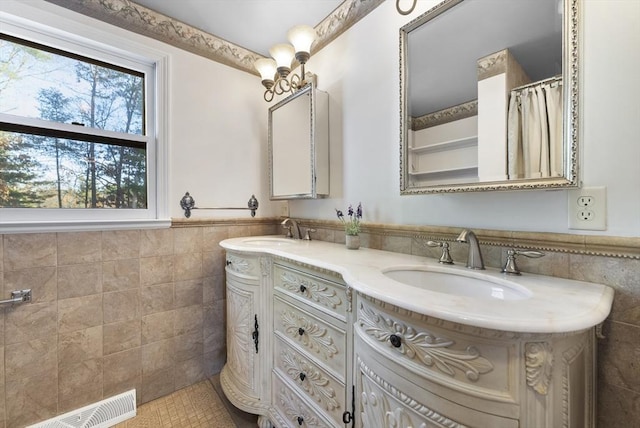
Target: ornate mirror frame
column 570, row 69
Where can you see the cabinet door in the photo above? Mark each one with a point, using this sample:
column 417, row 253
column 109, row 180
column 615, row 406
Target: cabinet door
column 243, row 335
column 299, row 145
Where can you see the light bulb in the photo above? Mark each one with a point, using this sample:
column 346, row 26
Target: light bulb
column 266, row 67
column 283, row 54
column 302, row 37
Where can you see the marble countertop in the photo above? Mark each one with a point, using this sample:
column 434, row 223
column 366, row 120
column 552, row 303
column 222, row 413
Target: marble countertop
column 551, row 305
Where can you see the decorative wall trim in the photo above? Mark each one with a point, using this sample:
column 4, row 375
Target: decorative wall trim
column 593, row 245
column 596, row 245
column 492, row 64
column 147, row 22
column 440, row 117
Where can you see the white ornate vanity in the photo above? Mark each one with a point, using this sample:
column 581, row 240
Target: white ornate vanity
column 321, row 336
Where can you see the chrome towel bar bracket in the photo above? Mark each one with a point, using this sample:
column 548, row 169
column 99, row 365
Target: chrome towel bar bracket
column 187, row 203
column 18, row 296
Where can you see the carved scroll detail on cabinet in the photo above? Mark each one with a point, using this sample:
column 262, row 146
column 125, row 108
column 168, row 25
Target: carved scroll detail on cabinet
column 296, row 410
column 313, row 382
column 427, row 348
column 310, row 334
column 265, row 265
column 239, row 325
column 376, row 407
column 314, row 290
column 239, row 264
column 349, row 292
column 538, row 359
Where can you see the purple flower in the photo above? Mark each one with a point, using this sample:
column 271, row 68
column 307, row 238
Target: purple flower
column 350, row 211
column 359, row 210
column 339, row 214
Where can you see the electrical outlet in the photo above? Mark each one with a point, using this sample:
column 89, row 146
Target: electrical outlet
column 588, row 208
column 284, row 209
column 585, row 201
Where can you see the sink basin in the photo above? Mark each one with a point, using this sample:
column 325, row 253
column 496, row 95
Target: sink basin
column 458, row 283
column 269, row 242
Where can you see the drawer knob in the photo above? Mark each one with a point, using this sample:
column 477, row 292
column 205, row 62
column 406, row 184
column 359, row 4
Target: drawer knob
column 228, row 262
column 301, row 331
column 300, row 420
column 395, row 340
column 303, row 288
column 302, row 376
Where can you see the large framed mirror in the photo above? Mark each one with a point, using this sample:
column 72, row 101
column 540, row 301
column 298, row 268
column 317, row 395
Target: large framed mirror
column 489, row 96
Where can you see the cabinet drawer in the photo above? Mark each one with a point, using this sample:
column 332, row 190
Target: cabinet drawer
column 468, row 366
column 325, row 295
column 387, row 400
column 310, row 380
column 243, row 266
column 294, row 411
column 319, row 339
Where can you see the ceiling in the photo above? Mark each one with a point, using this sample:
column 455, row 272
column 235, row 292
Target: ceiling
column 443, row 53
column 253, row 24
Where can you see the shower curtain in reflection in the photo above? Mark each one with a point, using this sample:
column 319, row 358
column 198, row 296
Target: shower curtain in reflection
column 534, row 135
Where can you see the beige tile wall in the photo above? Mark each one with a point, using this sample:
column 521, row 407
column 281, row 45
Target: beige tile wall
column 145, row 309
column 111, row 311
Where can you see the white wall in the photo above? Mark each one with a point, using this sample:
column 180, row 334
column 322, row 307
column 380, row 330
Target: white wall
column 360, row 72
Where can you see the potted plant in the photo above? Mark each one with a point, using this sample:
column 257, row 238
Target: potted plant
column 351, row 226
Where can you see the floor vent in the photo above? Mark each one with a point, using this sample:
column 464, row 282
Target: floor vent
column 103, row 414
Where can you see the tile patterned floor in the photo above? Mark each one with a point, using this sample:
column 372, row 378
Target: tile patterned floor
column 197, row 406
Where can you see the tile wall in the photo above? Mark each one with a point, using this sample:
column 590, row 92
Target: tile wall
column 111, row 311
column 145, row 309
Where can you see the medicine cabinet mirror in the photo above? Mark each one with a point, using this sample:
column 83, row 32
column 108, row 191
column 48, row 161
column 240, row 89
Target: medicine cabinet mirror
column 489, row 96
column 299, row 145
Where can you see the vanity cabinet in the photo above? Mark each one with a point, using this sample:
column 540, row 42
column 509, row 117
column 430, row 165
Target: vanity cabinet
column 305, row 350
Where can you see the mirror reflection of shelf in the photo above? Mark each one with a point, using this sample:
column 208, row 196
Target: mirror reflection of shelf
column 460, row 143
column 438, row 173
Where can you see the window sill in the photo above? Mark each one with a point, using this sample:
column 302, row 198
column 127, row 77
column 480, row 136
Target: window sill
column 81, row 225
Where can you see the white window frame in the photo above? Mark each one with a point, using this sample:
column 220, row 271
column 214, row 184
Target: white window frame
column 109, row 48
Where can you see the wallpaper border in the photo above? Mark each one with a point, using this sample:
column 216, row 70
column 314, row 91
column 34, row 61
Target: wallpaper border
column 147, row 22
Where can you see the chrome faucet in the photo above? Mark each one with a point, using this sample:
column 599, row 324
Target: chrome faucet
column 293, row 224
column 474, row 259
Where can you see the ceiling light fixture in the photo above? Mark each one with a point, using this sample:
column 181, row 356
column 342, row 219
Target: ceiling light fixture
column 276, row 72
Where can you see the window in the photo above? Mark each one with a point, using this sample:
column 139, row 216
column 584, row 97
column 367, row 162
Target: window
column 78, row 143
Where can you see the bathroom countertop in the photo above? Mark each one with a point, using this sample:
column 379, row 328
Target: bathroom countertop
column 553, row 305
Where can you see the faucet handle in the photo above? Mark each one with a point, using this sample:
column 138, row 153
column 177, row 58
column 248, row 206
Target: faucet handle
column 288, row 228
column 445, row 257
column 510, row 266
column 307, row 236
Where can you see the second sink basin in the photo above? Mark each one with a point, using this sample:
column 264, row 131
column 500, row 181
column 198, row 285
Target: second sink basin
column 458, row 283
column 269, row 242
